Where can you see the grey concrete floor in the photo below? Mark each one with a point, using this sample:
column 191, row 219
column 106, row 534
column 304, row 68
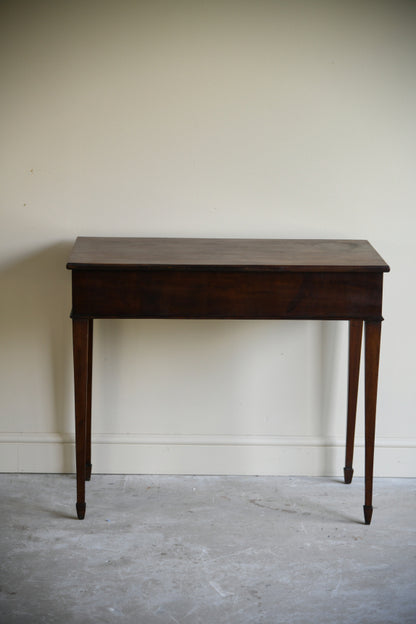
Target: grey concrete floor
column 211, row 550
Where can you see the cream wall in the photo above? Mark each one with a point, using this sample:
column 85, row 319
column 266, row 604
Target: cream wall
column 222, row 118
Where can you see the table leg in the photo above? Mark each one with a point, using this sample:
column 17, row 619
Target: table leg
column 80, row 331
column 372, row 355
column 88, row 465
column 355, row 336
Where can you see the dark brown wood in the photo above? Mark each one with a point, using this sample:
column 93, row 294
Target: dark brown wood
column 225, row 253
column 372, row 355
column 88, row 465
column 81, row 366
column 355, row 336
column 226, row 294
column 232, row 279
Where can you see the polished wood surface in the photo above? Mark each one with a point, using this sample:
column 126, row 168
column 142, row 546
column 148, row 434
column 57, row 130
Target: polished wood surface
column 230, row 279
column 206, row 294
column 222, row 253
column 355, row 339
column 372, row 355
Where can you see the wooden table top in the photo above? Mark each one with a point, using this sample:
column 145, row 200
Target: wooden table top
column 295, row 255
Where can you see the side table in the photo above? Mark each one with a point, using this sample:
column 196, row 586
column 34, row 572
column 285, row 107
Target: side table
column 171, row 278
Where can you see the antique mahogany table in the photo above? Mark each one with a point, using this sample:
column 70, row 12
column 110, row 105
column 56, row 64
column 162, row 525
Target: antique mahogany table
column 171, row 278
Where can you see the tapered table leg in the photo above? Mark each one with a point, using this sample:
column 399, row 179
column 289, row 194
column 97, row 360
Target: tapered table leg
column 372, row 356
column 80, row 331
column 355, row 336
column 88, row 465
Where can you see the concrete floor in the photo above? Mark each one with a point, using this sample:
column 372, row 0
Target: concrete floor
column 211, row 550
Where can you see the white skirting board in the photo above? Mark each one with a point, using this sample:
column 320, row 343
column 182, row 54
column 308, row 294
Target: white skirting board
column 204, row 454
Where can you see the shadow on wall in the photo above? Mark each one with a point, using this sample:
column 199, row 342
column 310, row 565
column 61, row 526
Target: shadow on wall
column 36, row 337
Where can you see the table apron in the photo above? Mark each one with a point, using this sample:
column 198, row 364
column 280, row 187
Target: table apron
column 205, row 294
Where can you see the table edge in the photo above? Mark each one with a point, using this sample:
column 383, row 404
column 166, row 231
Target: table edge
column 75, row 266
column 377, row 266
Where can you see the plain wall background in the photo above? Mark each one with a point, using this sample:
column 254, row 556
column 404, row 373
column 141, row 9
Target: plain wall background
column 222, row 118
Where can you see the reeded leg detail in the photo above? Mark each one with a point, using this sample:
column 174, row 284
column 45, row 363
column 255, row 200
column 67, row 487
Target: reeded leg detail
column 372, row 356
column 80, row 346
column 355, row 337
